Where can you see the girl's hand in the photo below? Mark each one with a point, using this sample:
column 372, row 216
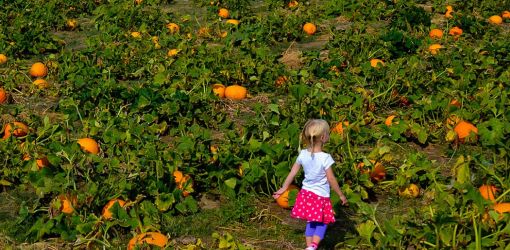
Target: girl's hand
column 279, row 192
column 343, row 199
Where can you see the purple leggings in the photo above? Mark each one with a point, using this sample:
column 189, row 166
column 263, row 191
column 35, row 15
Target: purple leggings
column 315, row 228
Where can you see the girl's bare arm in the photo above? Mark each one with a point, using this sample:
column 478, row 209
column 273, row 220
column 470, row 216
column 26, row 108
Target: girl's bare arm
column 293, row 171
column 334, row 185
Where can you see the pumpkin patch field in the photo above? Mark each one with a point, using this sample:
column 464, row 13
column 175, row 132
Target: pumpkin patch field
column 169, row 124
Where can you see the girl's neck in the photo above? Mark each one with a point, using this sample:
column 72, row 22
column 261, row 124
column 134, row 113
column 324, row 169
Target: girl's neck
column 315, row 149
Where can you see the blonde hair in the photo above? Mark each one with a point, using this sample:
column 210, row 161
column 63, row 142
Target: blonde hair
column 312, row 131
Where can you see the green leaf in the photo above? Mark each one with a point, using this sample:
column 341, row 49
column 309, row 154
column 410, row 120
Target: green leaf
column 164, row 201
column 299, row 91
column 274, row 108
column 366, row 230
column 231, row 183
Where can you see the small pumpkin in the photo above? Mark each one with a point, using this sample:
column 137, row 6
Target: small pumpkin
column 89, row 145
column 42, row 162
column 38, row 69
column 173, row 52
column 281, row 80
column 233, row 21
column 309, row 28
column 463, row 129
column 378, row 172
column 223, row 13
column 136, row 34
column 293, row 4
column 3, row 59
column 505, row 14
column 150, row 238
column 502, row 207
column 434, row 48
column 235, row 92
column 183, row 182
column 219, row 90
column 3, row 95
column 41, row 83
column 339, row 127
column 456, row 32
column 449, row 11
column 455, row 103
column 71, row 24
column 18, row 129
column 67, row 203
column 107, row 214
column 436, row 34
column 411, row 191
column 375, row 62
column 488, row 192
column 283, row 199
column 495, row 20
column 173, row 28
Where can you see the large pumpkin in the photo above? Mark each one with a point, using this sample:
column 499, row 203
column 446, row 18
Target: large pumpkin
column 235, row 92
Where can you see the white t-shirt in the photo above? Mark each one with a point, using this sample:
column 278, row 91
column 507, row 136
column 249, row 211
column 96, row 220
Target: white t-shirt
column 315, row 171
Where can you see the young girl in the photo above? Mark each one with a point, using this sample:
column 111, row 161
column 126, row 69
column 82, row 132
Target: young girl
column 312, row 202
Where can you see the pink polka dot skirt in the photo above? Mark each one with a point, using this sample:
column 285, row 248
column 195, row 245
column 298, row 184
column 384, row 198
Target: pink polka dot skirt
column 312, row 207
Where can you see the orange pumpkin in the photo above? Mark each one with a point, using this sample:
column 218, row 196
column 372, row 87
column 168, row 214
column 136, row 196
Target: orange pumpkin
column 455, row 32
column 434, row 48
column 3, row 59
column 436, row 34
column 89, row 145
column 42, row 163
column 41, row 83
column 293, row 4
column 183, row 182
column 71, row 24
column 309, row 28
column 488, row 192
column 281, row 80
column 233, row 21
column 495, row 20
column 235, row 92
column 172, row 52
column 505, row 14
column 38, row 69
column 223, row 13
column 150, row 238
column 412, row 191
column 502, row 207
column 219, row 90
column 67, row 203
column 107, row 214
column 449, row 11
column 136, row 34
column 173, row 28
column 463, row 129
column 455, row 103
column 283, row 200
column 3, row 95
column 18, row 129
column 389, row 121
column 339, row 128
column 377, row 174
column 375, row 62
